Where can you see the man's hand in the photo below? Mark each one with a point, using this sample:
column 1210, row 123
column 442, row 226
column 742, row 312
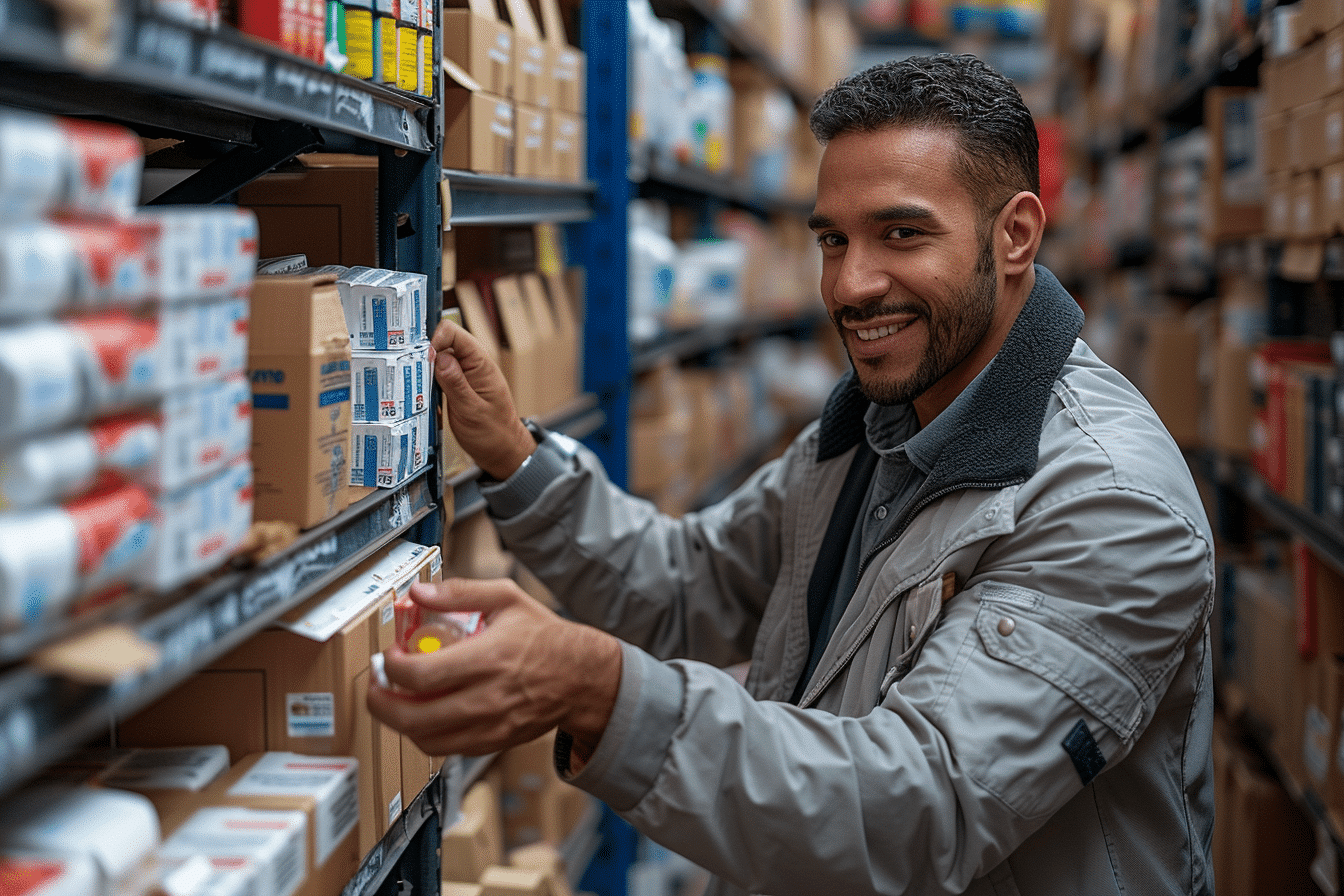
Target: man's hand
column 480, row 407
column 527, row 672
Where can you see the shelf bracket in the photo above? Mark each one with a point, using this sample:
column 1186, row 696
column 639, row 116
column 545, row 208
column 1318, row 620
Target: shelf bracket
column 273, row 143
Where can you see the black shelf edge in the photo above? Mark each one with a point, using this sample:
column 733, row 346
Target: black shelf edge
column 43, row 717
column 687, row 343
column 495, row 199
column 575, row 419
column 382, row 858
column 210, row 78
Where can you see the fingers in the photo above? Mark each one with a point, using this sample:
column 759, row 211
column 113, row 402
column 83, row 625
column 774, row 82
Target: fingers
column 486, row 596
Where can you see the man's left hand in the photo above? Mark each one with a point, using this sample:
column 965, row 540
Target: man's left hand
column 527, row 672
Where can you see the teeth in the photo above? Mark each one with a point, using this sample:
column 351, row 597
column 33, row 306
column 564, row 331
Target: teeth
column 870, row 335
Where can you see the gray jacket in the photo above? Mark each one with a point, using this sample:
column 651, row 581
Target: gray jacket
column 1016, row 701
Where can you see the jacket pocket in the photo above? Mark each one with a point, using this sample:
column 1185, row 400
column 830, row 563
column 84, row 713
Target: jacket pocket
column 1041, row 705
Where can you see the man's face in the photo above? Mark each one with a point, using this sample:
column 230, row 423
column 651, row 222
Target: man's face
column 908, row 271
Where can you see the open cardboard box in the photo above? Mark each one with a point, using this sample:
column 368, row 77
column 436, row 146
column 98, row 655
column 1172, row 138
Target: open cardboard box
column 479, row 44
column 479, row 128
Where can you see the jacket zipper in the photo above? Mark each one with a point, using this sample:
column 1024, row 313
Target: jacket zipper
column 821, row 685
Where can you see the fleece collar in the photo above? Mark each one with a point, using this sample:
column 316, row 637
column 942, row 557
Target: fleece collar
column 997, row 439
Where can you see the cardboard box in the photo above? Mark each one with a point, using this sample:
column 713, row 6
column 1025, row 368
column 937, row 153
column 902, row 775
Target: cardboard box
column 568, row 367
column 478, row 126
column 523, row 365
column 568, row 65
column 501, row 881
column 1278, row 205
column 1230, row 406
column 1306, row 136
column 390, row 386
column 478, row 43
column 1271, row 843
column 1274, row 142
column 323, row 788
column 533, row 145
column 476, row 840
column 384, row 309
column 1332, row 196
column 225, row 706
column 299, row 363
column 384, row 455
column 555, row 382
column 1169, row 377
column 326, row 207
column 532, row 78
column 569, row 142
column 379, row 750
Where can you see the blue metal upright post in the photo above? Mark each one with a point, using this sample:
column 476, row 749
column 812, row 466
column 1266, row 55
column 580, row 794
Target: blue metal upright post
column 602, row 242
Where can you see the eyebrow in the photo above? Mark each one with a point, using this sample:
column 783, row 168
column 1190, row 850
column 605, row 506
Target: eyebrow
column 890, row 213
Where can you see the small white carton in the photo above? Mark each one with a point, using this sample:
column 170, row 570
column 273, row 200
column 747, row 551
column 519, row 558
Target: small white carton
column 389, row 386
column 271, row 841
column 200, row 526
column 383, row 309
column 387, row 454
column 330, row 780
column 202, row 251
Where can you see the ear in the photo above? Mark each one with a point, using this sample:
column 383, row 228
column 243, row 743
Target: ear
column 1018, row 230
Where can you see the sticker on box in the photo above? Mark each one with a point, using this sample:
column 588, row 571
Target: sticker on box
column 310, row 715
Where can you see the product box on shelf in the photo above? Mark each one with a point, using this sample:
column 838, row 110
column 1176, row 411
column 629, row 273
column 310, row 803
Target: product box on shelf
column 270, row 846
column 1235, row 175
column 64, row 164
column 199, row 527
column 362, row 56
column 384, row 455
column 532, row 79
column 324, row 206
column 299, row 365
column 520, row 358
column 48, row 873
column 475, row 841
column 390, row 386
column 478, row 125
column 202, row 251
column 569, row 140
column 324, row 788
column 1270, row 372
column 383, row 309
column 478, row 43
column 552, row 344
column 568, row 64
column 533, row 145
column 296, row 28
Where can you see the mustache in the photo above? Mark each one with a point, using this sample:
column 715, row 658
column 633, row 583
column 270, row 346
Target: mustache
column 852, row 316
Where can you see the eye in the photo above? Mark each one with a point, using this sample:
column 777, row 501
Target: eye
column 903, row 232
column 830, row 240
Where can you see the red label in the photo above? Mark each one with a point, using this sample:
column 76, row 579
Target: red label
column 110, row 432
column 20, row 876
column 102, row 518
column 116, row 340
column 101, row 149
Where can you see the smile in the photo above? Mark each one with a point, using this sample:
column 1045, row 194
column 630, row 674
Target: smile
column 879, row 332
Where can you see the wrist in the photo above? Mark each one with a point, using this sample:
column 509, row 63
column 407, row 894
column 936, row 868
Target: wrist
column 594, row 695
column 521, row 444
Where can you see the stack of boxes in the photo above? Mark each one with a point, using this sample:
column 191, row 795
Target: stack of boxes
column 299, row 687
column 514, row 97
column 389, row 374
column 126, row 417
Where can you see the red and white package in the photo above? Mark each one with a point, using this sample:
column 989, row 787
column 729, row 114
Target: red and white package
column 56, row 265
column 421, row 630
column 123, row 361
column 200, row 526
column 103, row 164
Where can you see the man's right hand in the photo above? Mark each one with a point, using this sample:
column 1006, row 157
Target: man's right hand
column 480, row 406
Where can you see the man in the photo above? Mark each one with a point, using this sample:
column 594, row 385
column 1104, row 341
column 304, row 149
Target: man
column 975, row 594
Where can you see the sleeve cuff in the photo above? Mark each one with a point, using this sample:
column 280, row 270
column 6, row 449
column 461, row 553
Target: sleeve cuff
column 515, row 494
column 634, row 746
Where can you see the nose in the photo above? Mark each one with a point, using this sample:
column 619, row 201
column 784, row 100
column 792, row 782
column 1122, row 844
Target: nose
column 857, row 278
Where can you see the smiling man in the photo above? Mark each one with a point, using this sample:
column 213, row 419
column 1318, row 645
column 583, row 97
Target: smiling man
column 975, row 594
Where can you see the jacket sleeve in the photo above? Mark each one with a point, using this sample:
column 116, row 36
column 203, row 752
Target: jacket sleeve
column 690, row 587
column 962, row 759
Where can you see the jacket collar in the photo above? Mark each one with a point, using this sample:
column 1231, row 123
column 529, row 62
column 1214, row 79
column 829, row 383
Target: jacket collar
column 998, row 438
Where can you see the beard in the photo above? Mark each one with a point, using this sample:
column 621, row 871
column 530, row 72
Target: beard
column 952, row 335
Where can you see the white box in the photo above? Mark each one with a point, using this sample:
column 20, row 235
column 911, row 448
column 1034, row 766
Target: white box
column 273, row 843
column 383, row 309
column 330, row 780
column 167, row 768
column 387, row 454
column 202, row 251
column 203, row 342
column 200, row 526
column 389, row 386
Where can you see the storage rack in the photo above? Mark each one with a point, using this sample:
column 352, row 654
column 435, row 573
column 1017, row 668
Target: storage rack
column 610, row 360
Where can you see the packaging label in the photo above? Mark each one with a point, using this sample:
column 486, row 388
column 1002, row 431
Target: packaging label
column 394, row 808
column 310, row 714
column 343, row 606
column 274, row 842
column 359, row 42
column 18, row 877
column 330, row 781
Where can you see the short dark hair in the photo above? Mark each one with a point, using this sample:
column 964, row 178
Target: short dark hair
column 1000, row 151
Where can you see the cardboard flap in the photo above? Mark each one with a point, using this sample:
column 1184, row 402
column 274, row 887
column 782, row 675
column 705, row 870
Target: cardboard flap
column 566, row 321
column 515, row 322
column 543, row 316
column 520, row 14
column 553, row 26
column 475, row 318
column 306, row 305
column 1302, row 261
column 459, row 76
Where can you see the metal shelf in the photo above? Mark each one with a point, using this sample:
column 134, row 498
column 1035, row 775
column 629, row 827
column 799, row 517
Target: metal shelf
column 44, row 716
column 166, row 74
column 687, row 343
column 657, row 176
column 494, row 199
column 1323, row 537
column 383, row 857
